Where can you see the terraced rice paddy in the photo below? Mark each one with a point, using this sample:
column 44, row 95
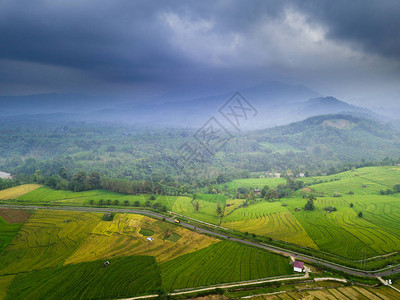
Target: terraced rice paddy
column 219, row 263
column 17, row 191
column 231, row 205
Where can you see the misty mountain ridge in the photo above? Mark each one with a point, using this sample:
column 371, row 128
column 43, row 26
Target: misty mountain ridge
column 277, row 104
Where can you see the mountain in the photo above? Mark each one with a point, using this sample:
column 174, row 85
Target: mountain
column 331, row 105
column 276, row 104
column 337, row 137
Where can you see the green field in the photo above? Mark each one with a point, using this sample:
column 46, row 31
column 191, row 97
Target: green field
column 124, row 277
column 46, row 240
column 219, row 263
column 7, row 233
column 252, row 183
column 207, row 209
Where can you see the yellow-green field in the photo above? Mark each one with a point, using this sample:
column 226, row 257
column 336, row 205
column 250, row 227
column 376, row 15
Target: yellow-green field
column 61, row 254
column 121, row 237
column 17, row 191
column 5, row 282
column 47, row 239
column 340, row 293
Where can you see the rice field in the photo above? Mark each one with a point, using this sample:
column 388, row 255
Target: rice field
column 123, row 237
column 46, row 195
column 253, row 183
column 46, row 240
column 207, row 209
column 17, row 191
column 124, row 277
column 339, row 293
column 7, row 233
column 5, row 282
column 220, row 263
column 232, row 204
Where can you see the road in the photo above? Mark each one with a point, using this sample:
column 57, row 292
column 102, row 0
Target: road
column 284, row 252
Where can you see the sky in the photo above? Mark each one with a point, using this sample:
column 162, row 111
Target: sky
column 144, row 49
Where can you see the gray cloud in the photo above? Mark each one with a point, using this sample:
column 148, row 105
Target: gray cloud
column 92, row 46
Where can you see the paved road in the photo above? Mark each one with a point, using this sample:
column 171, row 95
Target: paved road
column 297, row 255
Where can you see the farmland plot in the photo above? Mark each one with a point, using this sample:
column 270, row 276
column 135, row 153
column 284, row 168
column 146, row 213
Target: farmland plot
column 47, row 239
column 222, row 262
column 17, row 191
column 122, row 237
column 124, row 277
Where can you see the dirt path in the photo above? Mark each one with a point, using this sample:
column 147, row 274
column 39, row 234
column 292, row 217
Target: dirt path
column 389, row 285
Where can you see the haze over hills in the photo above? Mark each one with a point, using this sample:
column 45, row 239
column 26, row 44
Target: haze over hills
column 276, row 104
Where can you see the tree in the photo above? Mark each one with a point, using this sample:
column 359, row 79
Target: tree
column 78, row 182
column 91, row 202
column 219, row 210
column 271, row 194
column 396, row 188
column 147, row 203
column 101, row 202
column 93, row 181
column 108, row 202
column 196, row 207
column 126, row 202
column 264, row 191
column 360, row 214
column 63, row 173
column 310, row 203
column 136, row 203
column 153, row 197
column 116, row 202
column 351, row 204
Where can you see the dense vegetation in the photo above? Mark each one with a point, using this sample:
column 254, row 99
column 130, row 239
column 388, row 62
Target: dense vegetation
column 56, row 152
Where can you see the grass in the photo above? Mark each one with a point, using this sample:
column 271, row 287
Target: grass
column 46, row 240
column 173, row 237
column 220, row 263
column 124, row 277
column 7, row 233
column 17, row 191
column 207, row 209
column 45, row 195
column 122, row 237
column 5, row 282
column 252, row 183
column 146, row 232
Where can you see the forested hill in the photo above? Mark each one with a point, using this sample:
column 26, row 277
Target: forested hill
column 315, row 145
column 317, row 142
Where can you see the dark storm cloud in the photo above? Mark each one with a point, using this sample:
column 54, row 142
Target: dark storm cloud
column 373, row 25
column 186, row 42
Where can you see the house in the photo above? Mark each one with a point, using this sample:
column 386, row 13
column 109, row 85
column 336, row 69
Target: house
column 298, row 266
column 277, row 175
column 257, row 191
column 4, row 175
column 150, row 239
column 302, row 175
